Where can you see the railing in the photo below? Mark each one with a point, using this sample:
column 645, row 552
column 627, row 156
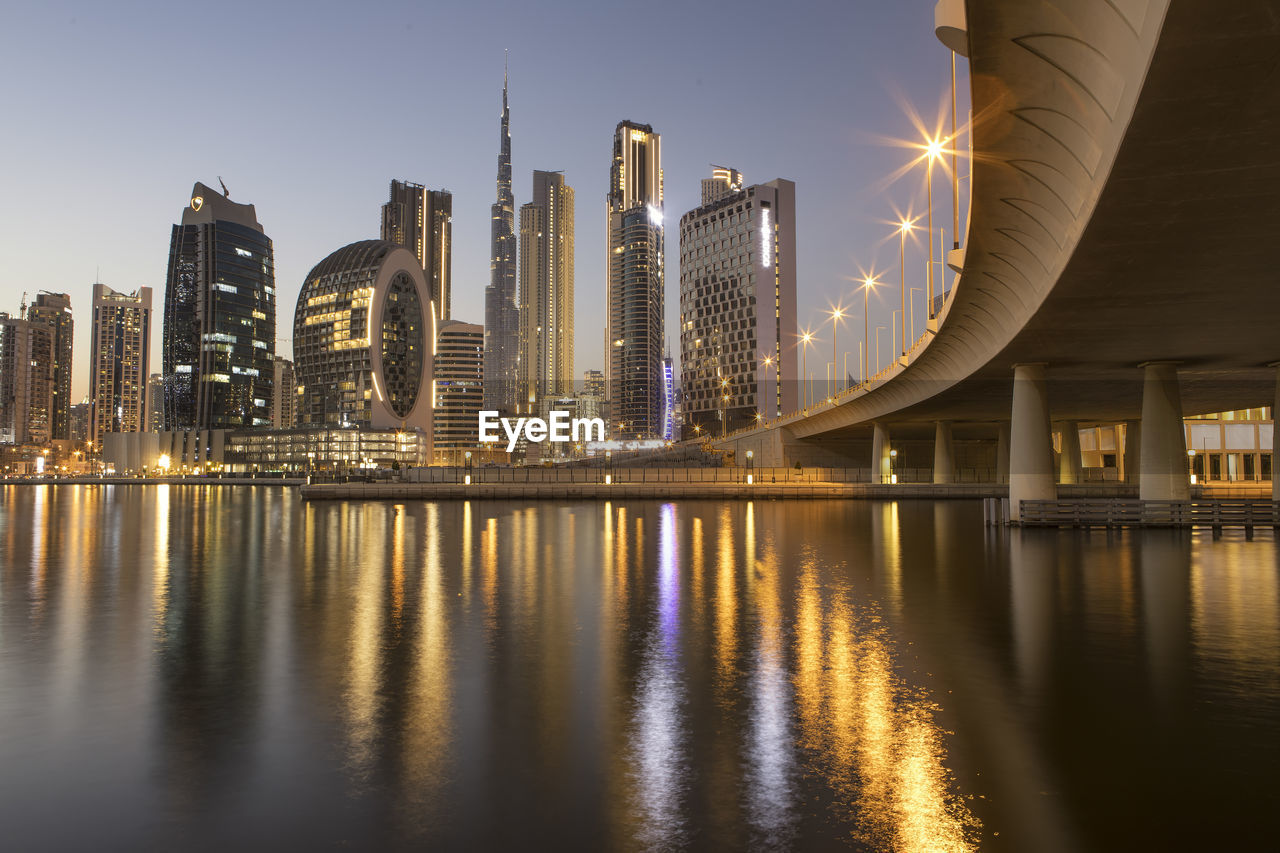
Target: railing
column 1119, row 512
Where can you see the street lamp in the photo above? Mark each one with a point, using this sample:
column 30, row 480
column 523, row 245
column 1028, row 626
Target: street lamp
column 879, row 329
column 468, row 456
column 1191, row 463
column 932, row 151
column 903, row 228
column 893, row 457
column 608, row 461
column 867, row 283
column 806, row 339
column 837, row 314
column 724, row 408
column 750, row 467
column 768, row 362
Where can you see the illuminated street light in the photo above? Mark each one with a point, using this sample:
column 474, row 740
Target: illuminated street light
column 805, row 340
column 837, row 314
column 867, row 284
column 904, row 228
column 932, row 151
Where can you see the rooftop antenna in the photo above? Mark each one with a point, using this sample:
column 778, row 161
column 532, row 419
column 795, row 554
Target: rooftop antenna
column 226, row 192
column 505, row 52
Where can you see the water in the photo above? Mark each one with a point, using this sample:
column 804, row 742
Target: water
column 223, row 668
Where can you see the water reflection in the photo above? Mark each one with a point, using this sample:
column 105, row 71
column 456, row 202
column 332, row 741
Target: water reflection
column 181, row 662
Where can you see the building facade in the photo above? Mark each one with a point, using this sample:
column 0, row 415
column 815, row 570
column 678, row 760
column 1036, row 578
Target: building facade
column 421, row 220
column 635, row 298
column 26, row 381
column 284, row 394
column 363, row 334
column 53, row 310
column 501, row 315
column 546, row 290
column 459, row 386
column 155, row 402
column 120, row 362
column 219, row 317
column 738, row 306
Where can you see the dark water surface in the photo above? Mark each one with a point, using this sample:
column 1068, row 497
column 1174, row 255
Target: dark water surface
column 221, row 668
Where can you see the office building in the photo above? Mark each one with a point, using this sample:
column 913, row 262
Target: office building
column 26, row 380
column 501, row 316
column 459, row 384
column 635, row 297
column 155, row 402
column 546, row 290
column 421, row 220
column 120, row 362
column 79, row 421
column 738, row 351
column 362, row 340
column 723, row 182
column 219, row 317
column 284, row 394
column 53, row 310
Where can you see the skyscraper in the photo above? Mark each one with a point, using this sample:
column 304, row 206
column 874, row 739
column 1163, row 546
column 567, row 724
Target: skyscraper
column 120, row 356
column 155, row 402
column 284, row 394
column 738, row 305
column 501, row 317
column 546, row 290
column 26, row 380
column 53, row 310
column 634, row 298
column 219, row 317
column 723, row 182
column 422, row 221
column 459, row 387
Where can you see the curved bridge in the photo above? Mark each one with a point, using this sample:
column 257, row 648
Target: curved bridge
column 1120, row 262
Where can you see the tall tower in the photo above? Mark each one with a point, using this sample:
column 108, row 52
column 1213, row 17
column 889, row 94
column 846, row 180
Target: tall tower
column 546, row 290
column 422, row 221
column 120, row 361
column 53, row 310
column 26, row 380
column 219, row 317
column 501, row 317
column 635, row 295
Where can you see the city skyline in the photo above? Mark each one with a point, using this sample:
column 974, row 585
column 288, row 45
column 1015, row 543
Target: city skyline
column 313, row 194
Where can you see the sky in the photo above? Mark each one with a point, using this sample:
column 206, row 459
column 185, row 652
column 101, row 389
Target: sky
column 308, row 110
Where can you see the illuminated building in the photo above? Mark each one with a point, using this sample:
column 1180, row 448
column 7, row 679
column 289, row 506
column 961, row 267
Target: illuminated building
column 459, row 383
column 155, row 402
column 363, row 339
column 120, row 362
column 284, row 392
column 501, row 317
column 422, row 221
column 546, row 290
column 738, row 305
column 53, row 310
column 219, row 317
column 668, row 399
column 26, row 381
column 635, row 297
column 723, row 182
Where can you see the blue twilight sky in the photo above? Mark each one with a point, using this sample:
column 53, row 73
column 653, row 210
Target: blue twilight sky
column 307, row 110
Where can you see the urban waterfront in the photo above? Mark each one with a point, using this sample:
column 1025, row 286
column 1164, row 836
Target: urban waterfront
column 205, row 668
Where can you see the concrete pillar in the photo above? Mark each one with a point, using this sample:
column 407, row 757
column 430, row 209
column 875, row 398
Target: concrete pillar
column 1163, row 466
column 880, row 454
column 1132, row 451
column 1002, row 454
column 1030, row 444
column 944, row 454
column 1069, row 466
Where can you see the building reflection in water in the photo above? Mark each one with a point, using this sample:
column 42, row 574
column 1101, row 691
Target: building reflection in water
column 748, row 675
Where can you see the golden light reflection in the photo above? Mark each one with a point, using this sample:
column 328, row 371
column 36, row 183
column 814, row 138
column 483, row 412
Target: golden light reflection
column 364, row 656
column 726, row 605
column 160, row 561
column 878, row 742
column 428, row 725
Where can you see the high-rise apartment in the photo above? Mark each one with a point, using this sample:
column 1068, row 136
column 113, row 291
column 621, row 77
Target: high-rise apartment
column 723, row 182
column 459, row 381
column 284, row 392
column 422, row 221
column 634, row 297
column 53, row 310
column 738, row 347
column 501, row 316
column 219, row 317
column 155, row 402
column 26, row 380
column 120, row 356
column 546, row 290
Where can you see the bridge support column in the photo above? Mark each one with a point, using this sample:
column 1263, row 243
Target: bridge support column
column 1030, row 441
column 1163, row 465
column 944, row 454
column 1069, row 466
column 880, row 454
column 1002, row 454
column 1132, row 451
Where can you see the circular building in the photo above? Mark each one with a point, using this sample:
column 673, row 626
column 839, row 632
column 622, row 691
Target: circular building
column 363, row 340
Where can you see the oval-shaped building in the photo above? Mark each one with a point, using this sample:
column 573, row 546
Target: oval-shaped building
column 363, row 340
